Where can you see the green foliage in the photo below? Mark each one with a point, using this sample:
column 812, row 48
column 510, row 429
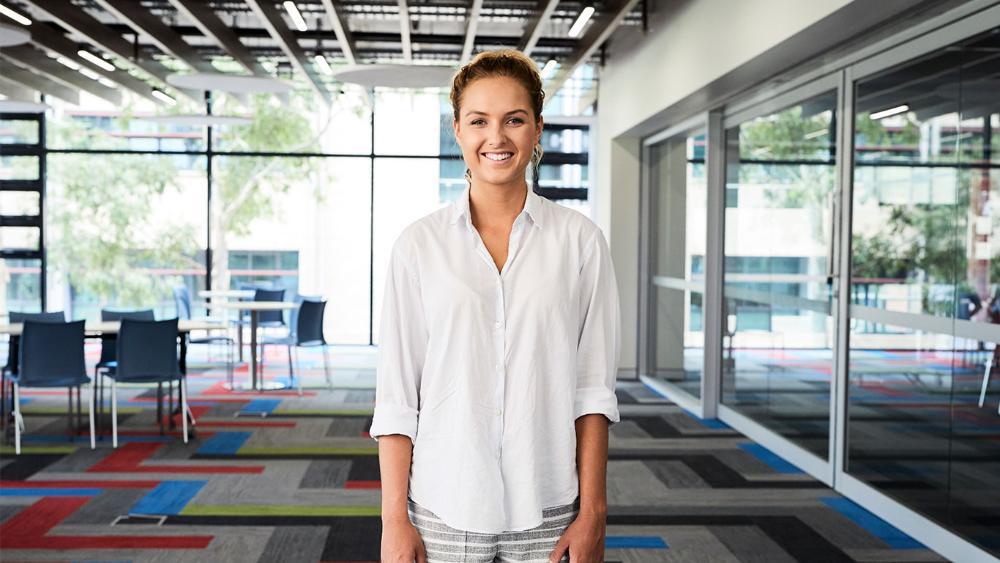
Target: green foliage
column 99, row 222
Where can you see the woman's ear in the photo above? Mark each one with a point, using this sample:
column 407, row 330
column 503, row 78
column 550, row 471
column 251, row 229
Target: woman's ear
column 538, row 130
column 454, row 127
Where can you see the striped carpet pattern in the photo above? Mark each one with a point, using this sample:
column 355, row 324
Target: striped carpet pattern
column 277, row 477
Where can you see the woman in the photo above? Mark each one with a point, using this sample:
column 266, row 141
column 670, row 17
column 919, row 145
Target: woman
column 498, row 350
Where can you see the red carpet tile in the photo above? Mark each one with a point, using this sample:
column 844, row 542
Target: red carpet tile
column 128, row 457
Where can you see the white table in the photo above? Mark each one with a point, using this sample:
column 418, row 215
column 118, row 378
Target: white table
column 255, row 307
column 226, row 293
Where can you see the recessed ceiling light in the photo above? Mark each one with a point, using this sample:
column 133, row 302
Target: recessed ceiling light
column 548, row 68
column 14, row 15
column 581, row 21
column 293, row 12
column 323, row 65
column 163, row 97
column 891, row 111
column 85, row 54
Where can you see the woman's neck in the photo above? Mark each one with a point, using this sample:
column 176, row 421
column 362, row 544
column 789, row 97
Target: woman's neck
column 495, row 206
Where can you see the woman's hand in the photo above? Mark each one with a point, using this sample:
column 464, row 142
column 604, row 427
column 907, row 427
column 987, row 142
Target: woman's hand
column 401, row 543
column 583, row 540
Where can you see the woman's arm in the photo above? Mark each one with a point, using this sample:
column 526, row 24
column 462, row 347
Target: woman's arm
column 592, row 464
column 394, row 453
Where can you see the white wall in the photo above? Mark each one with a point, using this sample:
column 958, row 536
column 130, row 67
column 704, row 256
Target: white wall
column 690, row 44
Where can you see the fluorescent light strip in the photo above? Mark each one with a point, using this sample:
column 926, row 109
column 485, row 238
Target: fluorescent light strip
column 323, row 65
column 67, row 63
column 293, row 12
column 14, row 15
column 89, row 73
column 891, row 111
column 548, row 68
column 87, row 55
column 163, row 96
column 815, row 134
column 581, row 21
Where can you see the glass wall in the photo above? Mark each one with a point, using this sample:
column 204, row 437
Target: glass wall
column 678, row 199
column 923, row 417
column 304, row 197
column 778, row 328
column 143, row 232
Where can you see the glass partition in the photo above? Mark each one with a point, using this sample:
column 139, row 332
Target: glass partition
column 778, row 326
column 924, row 390
column 678, row 199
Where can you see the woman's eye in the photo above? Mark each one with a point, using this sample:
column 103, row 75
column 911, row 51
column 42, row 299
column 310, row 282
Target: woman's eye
column 516, row 120
column 478, row 121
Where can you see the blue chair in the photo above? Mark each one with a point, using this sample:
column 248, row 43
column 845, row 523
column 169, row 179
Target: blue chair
column 109, row 345
column 182, row 300
column 50, row 355
column 305, row 330
column 16, row 317
column 147, row 353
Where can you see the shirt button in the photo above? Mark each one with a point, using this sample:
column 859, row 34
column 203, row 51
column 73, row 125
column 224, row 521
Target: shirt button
column 498, row 324
column 499, row 412
column 498, row 367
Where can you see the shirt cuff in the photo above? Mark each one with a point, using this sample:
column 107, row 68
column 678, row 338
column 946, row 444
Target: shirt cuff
column 394, row 419
column 597, row 400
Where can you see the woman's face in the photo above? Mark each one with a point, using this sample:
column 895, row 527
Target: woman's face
column 497, row 131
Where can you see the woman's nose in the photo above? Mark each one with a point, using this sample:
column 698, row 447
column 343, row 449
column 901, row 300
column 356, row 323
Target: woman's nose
column 495, row 136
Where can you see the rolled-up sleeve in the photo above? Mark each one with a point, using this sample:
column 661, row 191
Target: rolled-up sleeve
column 600, row 339
column 402, row 346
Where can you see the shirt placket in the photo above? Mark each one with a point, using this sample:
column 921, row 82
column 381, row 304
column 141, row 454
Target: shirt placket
column 500, row 320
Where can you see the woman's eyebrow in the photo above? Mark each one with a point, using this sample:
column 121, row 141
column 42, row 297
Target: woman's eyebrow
column 511, row 112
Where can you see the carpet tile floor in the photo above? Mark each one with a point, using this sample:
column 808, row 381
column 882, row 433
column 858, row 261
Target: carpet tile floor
column 275, row 476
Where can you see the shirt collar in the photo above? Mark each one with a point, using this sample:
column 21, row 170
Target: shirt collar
column 532, row 207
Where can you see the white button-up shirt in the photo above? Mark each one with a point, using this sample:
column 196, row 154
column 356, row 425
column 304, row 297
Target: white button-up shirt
column 487, row 371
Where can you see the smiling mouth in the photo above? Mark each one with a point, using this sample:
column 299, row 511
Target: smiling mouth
column 498, row 156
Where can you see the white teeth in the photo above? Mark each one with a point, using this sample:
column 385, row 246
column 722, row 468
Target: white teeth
column 498, row 156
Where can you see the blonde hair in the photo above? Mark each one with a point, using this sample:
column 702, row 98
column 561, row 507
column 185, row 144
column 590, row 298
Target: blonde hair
column 509, row 63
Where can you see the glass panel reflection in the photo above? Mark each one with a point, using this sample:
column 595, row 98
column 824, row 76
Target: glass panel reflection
column 679, row 201
column 924, row 390
column 777, row 317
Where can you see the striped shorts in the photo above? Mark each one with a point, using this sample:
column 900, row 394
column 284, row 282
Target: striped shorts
column 444, row 543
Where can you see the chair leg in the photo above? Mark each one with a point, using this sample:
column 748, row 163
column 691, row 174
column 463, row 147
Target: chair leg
column 114, row 413
column 184, row 408
column 188, row 411
column 298, row 378
column 3, row 399
column 93, row 396
column 69, row 412
column 18, row 420
column 326, row 366
column 79, row 409
column 159, row 406
column 291, row 369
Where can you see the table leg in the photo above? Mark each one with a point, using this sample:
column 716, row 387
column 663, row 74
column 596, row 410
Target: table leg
column 253, row 350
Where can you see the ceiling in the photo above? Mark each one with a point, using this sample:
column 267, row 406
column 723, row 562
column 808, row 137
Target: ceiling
column 147, row 40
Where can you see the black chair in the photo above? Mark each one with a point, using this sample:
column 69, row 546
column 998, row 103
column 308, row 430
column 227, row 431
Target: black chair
column 147, row 353
column 305, row 330
column 182, row 301
column 50, row 355
column 16, row 317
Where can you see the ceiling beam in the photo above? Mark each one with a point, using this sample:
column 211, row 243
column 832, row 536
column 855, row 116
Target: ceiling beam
column 37, row 60
column 75, row 19
column 601, row 27
column 28, row 79
column 404, row 31
column 208, row 22
column 276, row 26
column 344, row 37
column 471, row 23
column 48, row 37
column 162, row 36
column 533, row 30
column 15, row 91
